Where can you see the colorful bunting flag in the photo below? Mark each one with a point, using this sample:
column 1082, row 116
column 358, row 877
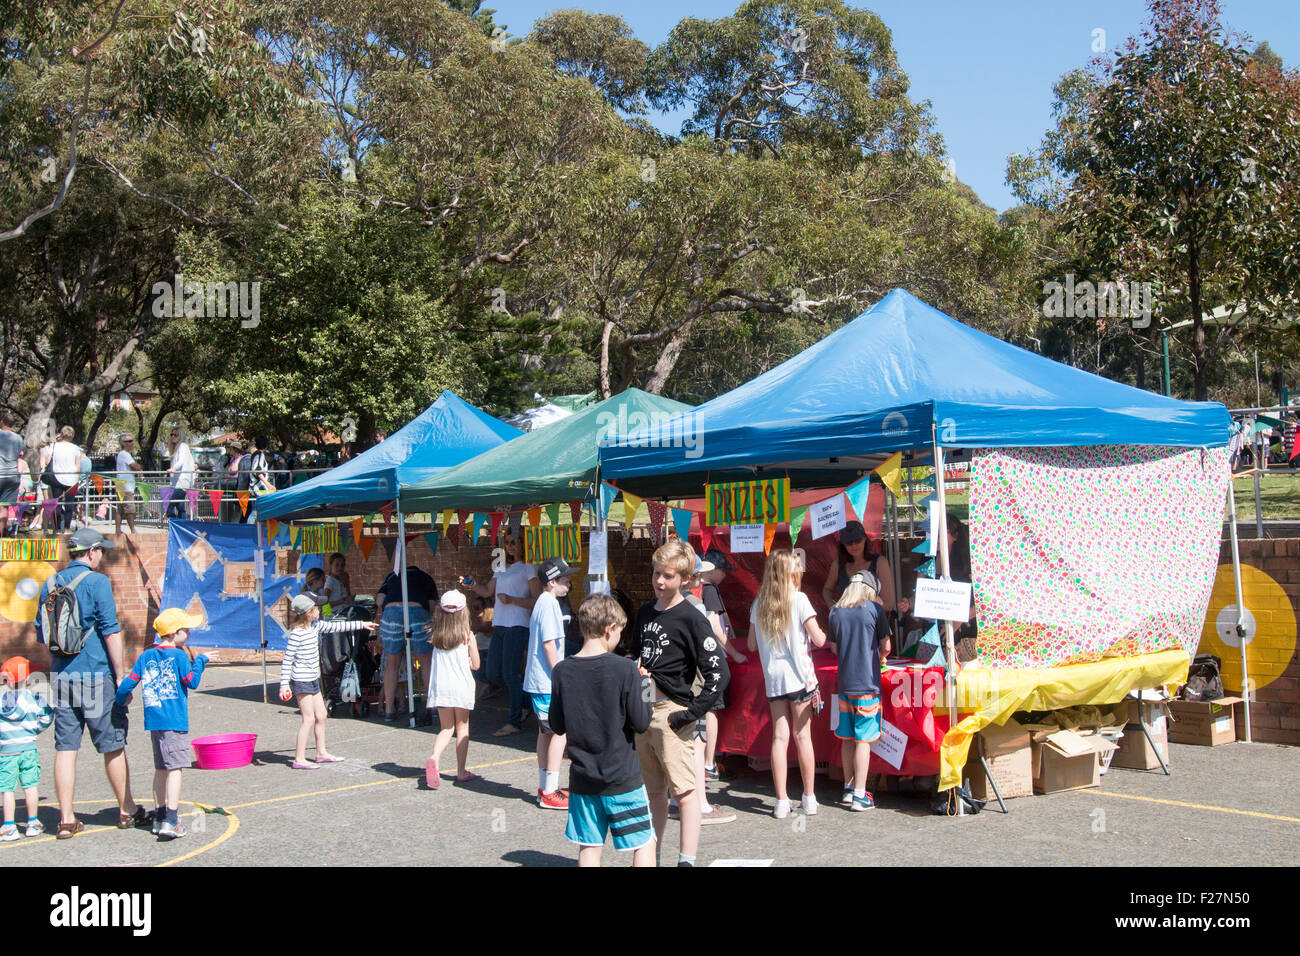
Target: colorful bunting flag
column 345, row 543
column 769, row 532
column 937, row 659
column 797, row 517
column 464, row 518
column 192, row 501
column 48, row 506
column 446, row 521
column 120, row 485
column 923, row 547
column 165, row 495
column 98, row 482
column 453, row 535
column 358, row 526
column 706, row 536
column 146, row 490
column 390, row 546
column 480, row 522
column 215, row 497
column 387, row 512
column 495, row 526
column 242, row 498
column 575, row 511
column 631, row 505
column 927, row 568
column 890, row 471
column 367, row 545
column 516, row 522
column 658, row 515
column 857, row 494
column 431, row 539
column 553, row 513
column 272, row 529
column 534, row 516
column 607, row 495
column 682, row 523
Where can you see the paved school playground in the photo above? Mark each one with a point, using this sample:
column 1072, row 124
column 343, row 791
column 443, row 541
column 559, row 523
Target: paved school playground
column 1226, row 805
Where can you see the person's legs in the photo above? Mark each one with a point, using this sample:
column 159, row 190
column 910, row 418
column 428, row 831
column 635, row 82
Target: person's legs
column 699, row 775
column 644, row 855
column 119, row 778
column 462, row 741
column 33, row 799
column 543, row 752
column 173, row 790
column 689, row 810
column 801, row 717
column 446, row 722
column 590, row 855
column 496, row 647
column 160, row 789
column 555, row 756
column 711, row 740
column 512, row 664
column 848, row 763
column 10, row 806
column 65, row 780
column 780, row 745
column 392, row 663
column 861, row 766
column 305, row 728
column 321, row 715
column 659, row 814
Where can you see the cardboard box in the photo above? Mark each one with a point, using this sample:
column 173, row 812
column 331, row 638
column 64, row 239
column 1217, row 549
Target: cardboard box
column 1135, row 751
column 1205, row 723
column 1065, row 760
column 1010, row 758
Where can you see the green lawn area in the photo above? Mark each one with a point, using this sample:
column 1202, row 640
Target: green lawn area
column 1279, row 497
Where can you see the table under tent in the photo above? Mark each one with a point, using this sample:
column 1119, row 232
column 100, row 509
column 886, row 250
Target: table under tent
column 445, row 434
column 1096, row 509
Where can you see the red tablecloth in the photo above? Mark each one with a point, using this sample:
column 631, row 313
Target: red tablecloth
column 907, row 699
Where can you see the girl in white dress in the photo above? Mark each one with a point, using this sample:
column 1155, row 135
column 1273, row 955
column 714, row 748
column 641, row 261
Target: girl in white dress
column 451, row 685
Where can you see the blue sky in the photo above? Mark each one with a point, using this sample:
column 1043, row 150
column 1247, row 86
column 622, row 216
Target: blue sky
column 987, row 68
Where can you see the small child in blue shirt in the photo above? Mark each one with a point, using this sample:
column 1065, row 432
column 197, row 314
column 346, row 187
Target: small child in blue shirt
column 166, row 674
column 23, row 715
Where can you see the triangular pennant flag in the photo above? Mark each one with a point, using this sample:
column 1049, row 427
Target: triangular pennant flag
column 98, row 482
column 575, row 511
column 192, row 500
column 295, row 534
column 553, row 513
column 607, row 495
column 495, row 526
column 48, row 506
column 367, row 545
column 22, row 507
column 165, row 494
column 345, row 544
column 925, row 502
column 120, row 485
column 480, row 522
column 796, row 522
column 387, row 512
column 627, row 532
column 516, row 522
column 658, row 515
column 631, row 505
column 927, row 568
column 857, row 493
column 146, row 490
column 706, row 537
column 242, row 498
column 431, row 539
column 390, row 546
column 358, row 526
column 463, row 517
column 453, row 535
column 923, row 547
column 682, row 522
column 272, row 529
column 534, row 517
column 215, row 497
column 937, row 659
column 446, row 521
column 769, row 532
column 890, row 471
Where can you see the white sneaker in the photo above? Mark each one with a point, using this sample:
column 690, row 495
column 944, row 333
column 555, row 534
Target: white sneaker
column 809, row 803
column 782, row 809
column 847, row 798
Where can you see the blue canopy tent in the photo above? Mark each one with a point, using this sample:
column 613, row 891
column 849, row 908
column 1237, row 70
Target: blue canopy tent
column 902, row 377
column 445, row 434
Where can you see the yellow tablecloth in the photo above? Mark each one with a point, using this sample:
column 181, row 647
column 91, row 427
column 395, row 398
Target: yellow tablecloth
column 990, row 696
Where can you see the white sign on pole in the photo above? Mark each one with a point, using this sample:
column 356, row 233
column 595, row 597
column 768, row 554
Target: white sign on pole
column 598, row 587
column 827, row 516
column 933, row 540
column 597, row 552
column 942, row 600
column 747, row 538
column 891, row 746
column 258, row 573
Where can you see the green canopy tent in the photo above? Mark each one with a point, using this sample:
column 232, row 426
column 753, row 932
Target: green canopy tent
column 556, row 463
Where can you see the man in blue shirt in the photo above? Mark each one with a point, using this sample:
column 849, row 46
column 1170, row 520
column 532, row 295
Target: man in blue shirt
column 83, row 686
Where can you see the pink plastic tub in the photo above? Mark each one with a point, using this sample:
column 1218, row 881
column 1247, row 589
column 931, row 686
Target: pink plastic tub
column 224, row 751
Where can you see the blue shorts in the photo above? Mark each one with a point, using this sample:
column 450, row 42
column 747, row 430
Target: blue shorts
column 390, row 630
column 542, row 708
column 859, row 717
column 19, row 770
column 625, row 815
column 84, row 701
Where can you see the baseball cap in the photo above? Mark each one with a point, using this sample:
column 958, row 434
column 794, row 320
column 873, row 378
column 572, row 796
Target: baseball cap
column 17, row 669
column 553, row 569
column 301, row 604
column 865, row 577
column 702, row 566
column 173, row 619
column 853, row 531
column 83, row 539
column 719, row 560
column 452, row 600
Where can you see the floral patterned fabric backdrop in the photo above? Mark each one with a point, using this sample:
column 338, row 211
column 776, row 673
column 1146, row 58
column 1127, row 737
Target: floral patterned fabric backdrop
column 1083, row 553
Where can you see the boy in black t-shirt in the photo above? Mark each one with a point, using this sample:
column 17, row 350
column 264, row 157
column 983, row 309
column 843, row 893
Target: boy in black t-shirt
column 597, row 700
column 673, row 642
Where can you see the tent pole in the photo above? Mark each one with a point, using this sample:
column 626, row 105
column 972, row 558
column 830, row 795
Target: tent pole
column 261, row 605
column 950, row 677
column 400, row 551
column 1246, row 691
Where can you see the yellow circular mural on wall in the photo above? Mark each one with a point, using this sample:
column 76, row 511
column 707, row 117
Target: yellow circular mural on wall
column 1269, row 622
column 20, row 586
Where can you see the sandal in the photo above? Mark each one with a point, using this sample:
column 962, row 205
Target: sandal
column 303, row 766
column 468, row 778
column 507, row 731
column 141, row 818
column 68, row 830
column 431, row 776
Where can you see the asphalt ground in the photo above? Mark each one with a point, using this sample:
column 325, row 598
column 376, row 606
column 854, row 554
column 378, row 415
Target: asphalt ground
column 1223, row 806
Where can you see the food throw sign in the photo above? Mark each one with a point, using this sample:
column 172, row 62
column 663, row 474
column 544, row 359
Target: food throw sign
column 766, row 501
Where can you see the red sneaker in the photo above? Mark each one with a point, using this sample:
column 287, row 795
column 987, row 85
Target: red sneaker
column 559, row 800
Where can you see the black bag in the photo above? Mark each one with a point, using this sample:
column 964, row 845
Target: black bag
column 1204, row 679
column 945, row 802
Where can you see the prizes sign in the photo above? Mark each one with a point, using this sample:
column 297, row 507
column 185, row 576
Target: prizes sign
column 748, row 502
column 553, row 541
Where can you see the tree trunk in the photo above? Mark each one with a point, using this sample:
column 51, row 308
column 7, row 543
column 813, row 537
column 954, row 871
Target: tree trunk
column 100, row 417
column 40, row 423
column 667, row 360
column 1141, row 369
column 1199, row 358
column 604, row 360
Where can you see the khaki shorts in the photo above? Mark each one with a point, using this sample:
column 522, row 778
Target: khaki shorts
column 667, row 756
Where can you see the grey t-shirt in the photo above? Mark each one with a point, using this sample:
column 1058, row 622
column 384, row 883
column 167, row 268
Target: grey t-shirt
column 11, row 444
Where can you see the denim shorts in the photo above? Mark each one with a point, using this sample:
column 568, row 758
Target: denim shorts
column 297, row 687
column 390, row 629
column 86, row 702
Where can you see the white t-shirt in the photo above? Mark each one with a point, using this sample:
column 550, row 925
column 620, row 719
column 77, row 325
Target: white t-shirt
column 183, row 462
column 545, row 626
column 513, row 580
column 66, row 463
column 334, row 589
column 787, row 664
column 124, row 462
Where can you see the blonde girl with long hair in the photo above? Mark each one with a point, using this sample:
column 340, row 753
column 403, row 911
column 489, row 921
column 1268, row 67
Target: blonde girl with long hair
column 451, row 685
column 783, row 625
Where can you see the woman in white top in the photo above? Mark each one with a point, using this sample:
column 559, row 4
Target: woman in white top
column 516, row 589
column 65, row 466
column 782, row 624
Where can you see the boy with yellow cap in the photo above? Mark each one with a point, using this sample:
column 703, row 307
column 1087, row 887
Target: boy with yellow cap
column 166, row 673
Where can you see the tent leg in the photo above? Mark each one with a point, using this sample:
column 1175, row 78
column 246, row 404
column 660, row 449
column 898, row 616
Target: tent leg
column 1247, row 692
column 261, row 608
column 400, row 551
column 950, row 677
column 988, row 775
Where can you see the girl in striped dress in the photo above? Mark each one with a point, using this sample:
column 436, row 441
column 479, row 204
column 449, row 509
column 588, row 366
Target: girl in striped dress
column 300, row 674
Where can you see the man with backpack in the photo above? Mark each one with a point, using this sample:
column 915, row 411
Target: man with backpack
column 77, row 619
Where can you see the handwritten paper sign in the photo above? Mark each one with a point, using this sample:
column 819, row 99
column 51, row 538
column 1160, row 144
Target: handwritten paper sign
column 29, row 549
column 827, row 516
column 748, row 502
column 747, row 539
column 553, row 541
column 891, row 746
column 942, row 600
column 933, row 539
column 597, row 552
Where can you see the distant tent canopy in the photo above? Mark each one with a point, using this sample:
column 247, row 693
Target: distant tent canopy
column 898, row 377
column 447, row 433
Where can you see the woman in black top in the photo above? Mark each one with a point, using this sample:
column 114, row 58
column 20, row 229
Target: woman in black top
column 856, row 554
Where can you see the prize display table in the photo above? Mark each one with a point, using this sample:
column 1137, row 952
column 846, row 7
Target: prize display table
column 907, row 701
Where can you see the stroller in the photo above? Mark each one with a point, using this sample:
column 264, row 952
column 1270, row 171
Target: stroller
column 337, row 651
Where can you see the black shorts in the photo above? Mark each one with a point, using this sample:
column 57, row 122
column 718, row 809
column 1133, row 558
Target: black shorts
column 794, row 697
column 304, row 687
column 9, row 488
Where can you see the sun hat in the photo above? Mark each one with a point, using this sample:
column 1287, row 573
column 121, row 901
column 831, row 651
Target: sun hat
column 173, row 619
column 853, row 531
column 451, row 601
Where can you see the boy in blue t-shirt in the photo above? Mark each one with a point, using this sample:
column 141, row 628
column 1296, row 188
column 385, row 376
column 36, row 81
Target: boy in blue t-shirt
column 545, row 650
column 166, row 674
